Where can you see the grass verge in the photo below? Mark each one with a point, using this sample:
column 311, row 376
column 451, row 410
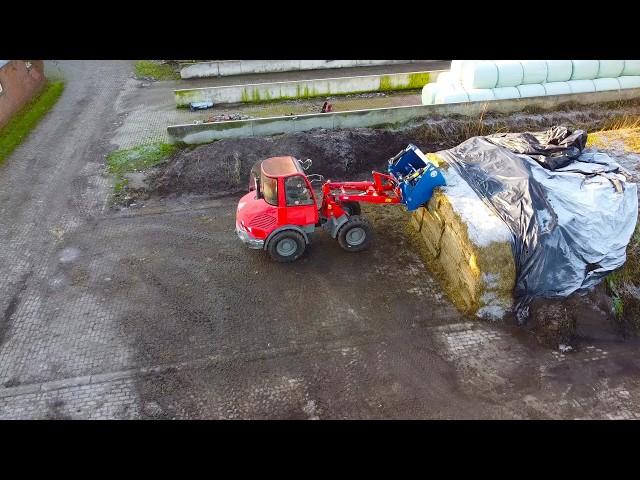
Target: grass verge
column 136, row 159
column 157, row 71
column 24, row 121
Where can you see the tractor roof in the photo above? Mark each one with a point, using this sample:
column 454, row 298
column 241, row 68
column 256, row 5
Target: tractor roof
column 280, row 166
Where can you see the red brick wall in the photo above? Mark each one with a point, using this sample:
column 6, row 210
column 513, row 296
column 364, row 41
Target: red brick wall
column 19, row 84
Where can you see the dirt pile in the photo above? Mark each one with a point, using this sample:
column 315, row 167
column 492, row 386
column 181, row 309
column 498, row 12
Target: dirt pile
column 224, row 166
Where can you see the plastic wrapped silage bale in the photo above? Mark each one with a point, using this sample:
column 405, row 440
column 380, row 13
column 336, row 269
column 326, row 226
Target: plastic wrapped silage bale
column 610, row 68
column 457, row 67
column 533, row 71
column 629, row 81
column 581, row 86
column 585, row 69
column 631, row 67
column 559, row 70
column 531, row 90
column 451, row 95
column 509, row 73
column 480, row 94
column 429, row 92
column 480, row 75
column 606, row 84
column 446, row 78
column 505, row 93
column 556, row 88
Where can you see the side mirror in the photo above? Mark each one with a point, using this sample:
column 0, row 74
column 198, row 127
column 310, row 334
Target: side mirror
column 306, row 164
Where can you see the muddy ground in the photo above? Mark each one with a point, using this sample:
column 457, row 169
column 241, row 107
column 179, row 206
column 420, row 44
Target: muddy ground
column 222, row 168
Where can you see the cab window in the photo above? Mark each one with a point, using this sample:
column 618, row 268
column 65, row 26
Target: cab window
column 297, row 191
column 269, row 189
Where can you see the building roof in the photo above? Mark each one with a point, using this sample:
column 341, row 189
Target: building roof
column 3, row 63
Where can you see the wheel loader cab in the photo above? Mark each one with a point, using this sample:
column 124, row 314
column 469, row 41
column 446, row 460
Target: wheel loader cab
column 280, row 199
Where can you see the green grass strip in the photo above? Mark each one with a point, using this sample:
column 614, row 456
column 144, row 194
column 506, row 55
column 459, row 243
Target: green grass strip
column 25, row 120
column 155, row 70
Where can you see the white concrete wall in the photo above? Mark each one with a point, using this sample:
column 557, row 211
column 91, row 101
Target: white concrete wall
column 260, row 92
column 395, row 116
column 237, row 67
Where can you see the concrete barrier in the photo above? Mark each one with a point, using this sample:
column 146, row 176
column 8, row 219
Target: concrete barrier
column 380, row 117
column 260, row 92
column 239, row 67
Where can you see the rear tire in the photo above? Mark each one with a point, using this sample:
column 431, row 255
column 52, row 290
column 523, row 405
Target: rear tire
column 286, row 246
column 355, row 235
column 352, row 208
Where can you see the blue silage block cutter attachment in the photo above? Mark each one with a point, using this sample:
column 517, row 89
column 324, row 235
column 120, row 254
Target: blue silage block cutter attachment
column 416, row 176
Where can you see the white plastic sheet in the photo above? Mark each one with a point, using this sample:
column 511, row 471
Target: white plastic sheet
column 451, row 96
column 629, row 81
column 429, row 92
column 631, row 67
column 480, row 94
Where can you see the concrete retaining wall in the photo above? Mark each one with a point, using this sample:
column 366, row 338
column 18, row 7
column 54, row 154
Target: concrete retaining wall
column 238, row 67
column 395, row 116
column 260, row 92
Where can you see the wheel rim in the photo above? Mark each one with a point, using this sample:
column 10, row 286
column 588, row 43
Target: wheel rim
column 356, row 236
column 286, row 247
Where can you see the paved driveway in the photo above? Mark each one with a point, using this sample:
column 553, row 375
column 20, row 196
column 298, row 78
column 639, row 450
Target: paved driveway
column 159, row 312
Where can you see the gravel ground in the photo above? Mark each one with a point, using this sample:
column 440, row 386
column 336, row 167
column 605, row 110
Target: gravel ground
column 158, row 311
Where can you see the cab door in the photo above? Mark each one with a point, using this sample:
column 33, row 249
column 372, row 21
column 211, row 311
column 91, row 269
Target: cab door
column 299, row 202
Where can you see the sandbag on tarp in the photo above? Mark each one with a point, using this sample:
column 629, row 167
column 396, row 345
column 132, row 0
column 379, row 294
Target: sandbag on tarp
column 570, row 224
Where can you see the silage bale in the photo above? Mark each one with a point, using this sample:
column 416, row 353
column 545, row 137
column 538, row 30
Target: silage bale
column 429, row 92
column 606, row 84
column 505, row 93
column 451, row 95
column 457, row 67
column 510, row 73
column 581, row 86
column 556, row 88
column 534, row 71
column 610, row 68
column 531, row 90
column 480, row 75
column 631, row 68
column 480, row 94
column 471, row 246
column 629, row 81
column 585, row 69
column 559, row 70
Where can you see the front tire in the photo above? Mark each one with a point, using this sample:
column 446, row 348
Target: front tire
column 286, row 246
column 355, row 235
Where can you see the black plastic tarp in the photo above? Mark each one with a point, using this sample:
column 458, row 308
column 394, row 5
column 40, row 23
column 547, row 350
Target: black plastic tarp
column 571, row 212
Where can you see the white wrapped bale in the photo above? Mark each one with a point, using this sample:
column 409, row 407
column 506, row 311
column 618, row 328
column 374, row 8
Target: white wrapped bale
column 509, row 73
column 585, row 69
column 451, row 96
column 556, row 88
column 629, row 81
column 581, row 86
column 457, row 67
column 631, row 68
column 606, row 84
column 532, row 90
column 447, row 78
column 429, row 92
column 610, row 68
column 559, row 70
column 480, row 75
column 480, row 94
column 534, row 71
column 505, row 93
